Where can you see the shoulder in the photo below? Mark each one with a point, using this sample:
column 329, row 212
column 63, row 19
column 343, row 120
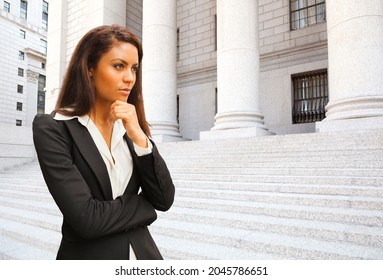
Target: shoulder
column 45, row 128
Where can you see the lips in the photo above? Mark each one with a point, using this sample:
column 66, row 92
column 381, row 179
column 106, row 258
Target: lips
column 124, row 90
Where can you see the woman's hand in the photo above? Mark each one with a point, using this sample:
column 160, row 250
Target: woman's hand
column 127, row 113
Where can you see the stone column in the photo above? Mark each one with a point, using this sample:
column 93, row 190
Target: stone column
column 56, row 53
column 159, row 68
column 355, row 49
column 237, row 71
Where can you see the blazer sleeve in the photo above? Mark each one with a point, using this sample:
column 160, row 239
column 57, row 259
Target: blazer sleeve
column 90, row 218
column 156, row 183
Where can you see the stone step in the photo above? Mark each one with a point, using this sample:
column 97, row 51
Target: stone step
column 372, row 218
column 174, row 247
column 11, row 249
column 329, row 164
column 42, row 220
column 310, row 142
column 34, row 206
column 335, row 201
column 325, row 231
column 270, row 243
column 281, row 171
column 41, row 238
column 270, row 155
column 42, row 197
column 325, row 180
column 328, row 189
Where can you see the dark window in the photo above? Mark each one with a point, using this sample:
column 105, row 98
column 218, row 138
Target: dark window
column 215, row 32
column 216, row 100
column 43, row 46
column 20, row 88
column 22, row 34
column 21, row 55
column 19, row 122
column 41, row 95
column 20, row 72
column 178, row 109
column 178, row 44
column 306, row 12
column 19, row 106
column 23, row 9
column 310, row 96
column 7, row 7
column 42, row 65
column 44, row 23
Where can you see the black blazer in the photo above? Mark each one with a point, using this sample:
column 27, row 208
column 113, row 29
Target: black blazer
column 95, row 226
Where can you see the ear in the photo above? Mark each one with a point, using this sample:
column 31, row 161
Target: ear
column 90, row 72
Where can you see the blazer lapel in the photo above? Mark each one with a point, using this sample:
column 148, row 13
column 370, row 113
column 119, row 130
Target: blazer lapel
column 89, row 151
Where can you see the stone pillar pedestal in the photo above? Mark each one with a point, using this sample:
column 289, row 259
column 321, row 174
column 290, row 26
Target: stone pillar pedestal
column 159, row 68
column 355, row 48
column 237, row 71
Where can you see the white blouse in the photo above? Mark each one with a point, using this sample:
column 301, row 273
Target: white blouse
column 118, row 159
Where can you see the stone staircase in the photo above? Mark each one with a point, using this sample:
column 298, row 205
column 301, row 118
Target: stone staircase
column 303, row 196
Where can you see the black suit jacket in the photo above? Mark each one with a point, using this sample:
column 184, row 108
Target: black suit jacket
column 95, row 226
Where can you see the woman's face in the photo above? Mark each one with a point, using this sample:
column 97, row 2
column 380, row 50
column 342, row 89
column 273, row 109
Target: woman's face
column 115, row 73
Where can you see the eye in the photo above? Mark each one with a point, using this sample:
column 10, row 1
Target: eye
column 118, row 66
column 135, row 69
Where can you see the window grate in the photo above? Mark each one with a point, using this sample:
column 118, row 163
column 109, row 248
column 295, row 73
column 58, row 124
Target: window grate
column 310, row 95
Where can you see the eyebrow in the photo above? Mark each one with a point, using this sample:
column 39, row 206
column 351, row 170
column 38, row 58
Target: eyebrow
column 124, row 62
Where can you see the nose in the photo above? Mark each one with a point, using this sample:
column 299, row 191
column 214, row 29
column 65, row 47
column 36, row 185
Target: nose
column 129, row 76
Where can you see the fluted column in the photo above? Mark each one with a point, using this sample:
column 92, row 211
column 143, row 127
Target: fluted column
column 355, row 48
column 238, row 68
column 159, row 68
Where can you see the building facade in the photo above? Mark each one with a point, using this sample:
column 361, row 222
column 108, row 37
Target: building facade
column 23, row 47
column 227, row 68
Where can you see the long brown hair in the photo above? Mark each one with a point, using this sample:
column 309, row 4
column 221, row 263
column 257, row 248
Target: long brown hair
column 77, row 96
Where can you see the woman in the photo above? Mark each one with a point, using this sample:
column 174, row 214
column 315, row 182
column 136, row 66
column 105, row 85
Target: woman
column 94, row 151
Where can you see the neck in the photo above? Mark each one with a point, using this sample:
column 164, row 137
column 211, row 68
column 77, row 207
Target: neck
column 100, row 115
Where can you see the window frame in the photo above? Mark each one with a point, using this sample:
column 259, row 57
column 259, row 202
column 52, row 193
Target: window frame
column 305, row 21
column 7, row 7
column 24, row 9
column 19, row 106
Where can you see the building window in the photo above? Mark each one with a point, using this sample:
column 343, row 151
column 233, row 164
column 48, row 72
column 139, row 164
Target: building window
column 42, row 65
column 43, row 46
column 178, row 109
column 23, row 9
column 7, row 7
column 20, row 89
column 215, row 32
column 216, row 100
column 310, row 96
column 19, row 122
column 20, row 72
column 306, row 12
column 44, row 23
column 19, row 106
column 21, row 55
column 41, row 95
column 178, row 44
column 22, row 34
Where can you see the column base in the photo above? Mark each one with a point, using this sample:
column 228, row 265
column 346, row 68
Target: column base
column 356, row 107
column 234, row 133
column 165, row 132
column 234, row 120
column 373, row 123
